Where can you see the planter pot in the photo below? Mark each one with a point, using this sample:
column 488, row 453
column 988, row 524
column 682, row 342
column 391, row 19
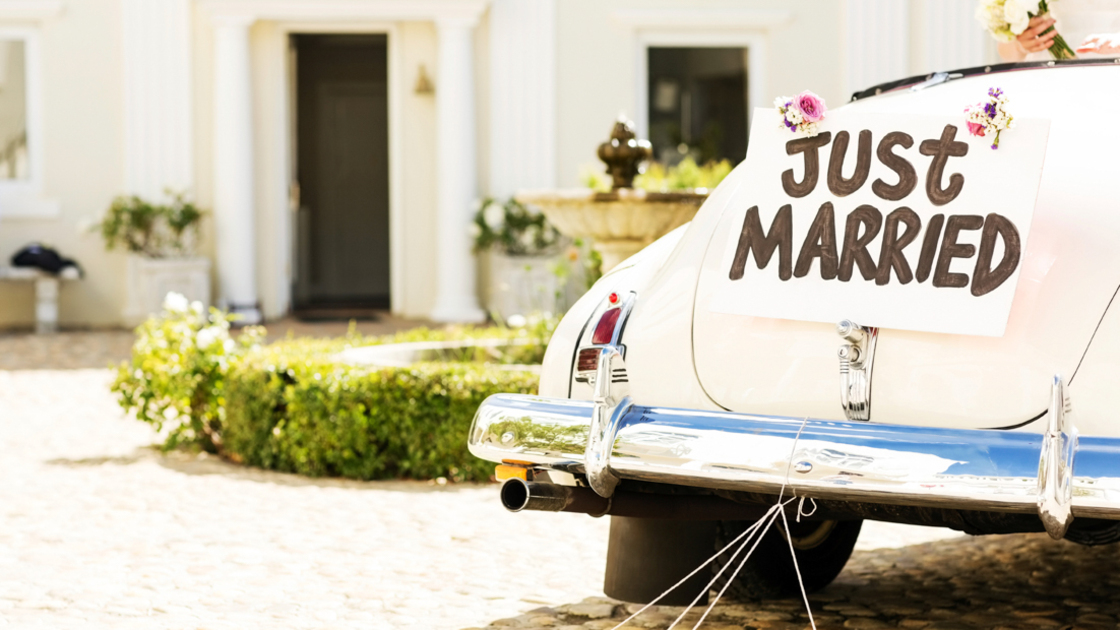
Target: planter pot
column 151, row 279
column 520, row 285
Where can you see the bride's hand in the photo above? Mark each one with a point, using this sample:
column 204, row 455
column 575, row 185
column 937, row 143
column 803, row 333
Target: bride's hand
column 1032, row 40
column 1105, row 44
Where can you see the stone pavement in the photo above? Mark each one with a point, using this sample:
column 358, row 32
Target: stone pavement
column 1012, row 582
column 99, row 530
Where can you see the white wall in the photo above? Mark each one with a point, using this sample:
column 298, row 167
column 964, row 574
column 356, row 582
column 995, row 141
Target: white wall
column 598, row 59
column 418, row 137
column 82, row 122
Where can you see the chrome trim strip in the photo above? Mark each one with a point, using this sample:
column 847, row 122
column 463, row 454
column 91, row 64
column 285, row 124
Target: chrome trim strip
column 880, row 463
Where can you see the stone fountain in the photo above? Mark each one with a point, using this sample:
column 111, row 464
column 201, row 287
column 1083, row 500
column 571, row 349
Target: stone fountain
column 621, row 222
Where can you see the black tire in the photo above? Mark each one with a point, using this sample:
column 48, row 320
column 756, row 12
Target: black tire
column 1091, row 532
column 646, row 556
column 822, row 548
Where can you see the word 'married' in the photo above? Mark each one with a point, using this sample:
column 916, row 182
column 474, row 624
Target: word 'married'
column 908, row 250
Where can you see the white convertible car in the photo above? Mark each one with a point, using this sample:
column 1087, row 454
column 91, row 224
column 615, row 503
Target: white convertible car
column 961, row 369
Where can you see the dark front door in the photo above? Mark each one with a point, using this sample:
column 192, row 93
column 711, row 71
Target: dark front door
column 342, row 168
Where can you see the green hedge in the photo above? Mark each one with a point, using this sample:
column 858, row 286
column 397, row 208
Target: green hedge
column 291, row 406
column 309, row 415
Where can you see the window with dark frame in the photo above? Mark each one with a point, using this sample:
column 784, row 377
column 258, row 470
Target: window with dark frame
column 698, row 103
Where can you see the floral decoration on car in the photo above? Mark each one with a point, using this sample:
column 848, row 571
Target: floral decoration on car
column 990, row 116
column 801, row 113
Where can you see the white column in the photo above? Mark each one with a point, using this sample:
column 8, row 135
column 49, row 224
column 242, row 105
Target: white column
column 950, row 37
column 456, row 173
column 233, row 169
column 157, row 97
column 877, row 43
column 522, row 95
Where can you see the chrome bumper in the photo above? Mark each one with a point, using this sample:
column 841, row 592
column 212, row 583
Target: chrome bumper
column 1055, row 473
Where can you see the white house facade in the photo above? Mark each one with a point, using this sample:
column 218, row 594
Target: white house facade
column 340, row 145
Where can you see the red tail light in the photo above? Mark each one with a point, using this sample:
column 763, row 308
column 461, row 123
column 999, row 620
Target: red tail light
column 588, row 360
column 604, row 330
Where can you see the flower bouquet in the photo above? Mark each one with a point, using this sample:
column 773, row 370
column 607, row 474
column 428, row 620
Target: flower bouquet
column 801, row 113
column 1007, row 19
column 989, row 116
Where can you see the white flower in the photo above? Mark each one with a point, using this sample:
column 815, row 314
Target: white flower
column 780, row 102
column 207, row 336
column 475, row 230
column 515, row 321
column 494, row 215
column 1017, row 14
column 990, row 13
column 175, row 303
column 527, row 239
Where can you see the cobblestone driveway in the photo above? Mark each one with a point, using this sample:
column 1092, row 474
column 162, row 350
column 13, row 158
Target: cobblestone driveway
column 98, row 530
column 1012, row 582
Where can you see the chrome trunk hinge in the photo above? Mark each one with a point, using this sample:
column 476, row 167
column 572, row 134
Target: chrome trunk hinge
column 1055, row 464
column 856, row 359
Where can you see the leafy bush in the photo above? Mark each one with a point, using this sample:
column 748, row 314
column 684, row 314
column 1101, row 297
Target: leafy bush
column 292, row 406
column 176, row 378
column 302, row 412
column 513, row 228
column 685, row 175
column 154, row 230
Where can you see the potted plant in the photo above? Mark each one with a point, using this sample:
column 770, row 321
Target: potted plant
column 160, row 240
column 532, row 268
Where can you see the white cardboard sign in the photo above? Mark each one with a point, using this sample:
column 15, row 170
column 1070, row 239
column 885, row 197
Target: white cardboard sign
column 890, row 220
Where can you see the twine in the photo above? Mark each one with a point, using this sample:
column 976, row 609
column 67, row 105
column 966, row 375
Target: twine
column 761, row 526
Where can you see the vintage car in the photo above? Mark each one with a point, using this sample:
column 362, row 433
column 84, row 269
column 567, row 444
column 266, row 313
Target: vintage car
column 682, row 412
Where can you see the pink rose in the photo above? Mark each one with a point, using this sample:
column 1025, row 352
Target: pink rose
column 976, row 129
column 811, row 106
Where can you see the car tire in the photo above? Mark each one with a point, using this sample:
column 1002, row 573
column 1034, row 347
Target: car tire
column 822, row 548
column 1093, row 532
column 647, row 556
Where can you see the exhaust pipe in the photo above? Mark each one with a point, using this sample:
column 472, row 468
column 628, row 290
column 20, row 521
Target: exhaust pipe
column 517, row 495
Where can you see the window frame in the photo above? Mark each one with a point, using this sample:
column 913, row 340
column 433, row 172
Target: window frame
column 24, row 198
column 753, row 41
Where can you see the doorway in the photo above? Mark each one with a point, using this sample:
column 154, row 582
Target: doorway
column 342, row 170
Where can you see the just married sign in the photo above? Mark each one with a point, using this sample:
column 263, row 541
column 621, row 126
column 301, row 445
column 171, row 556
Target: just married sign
column 890, row 220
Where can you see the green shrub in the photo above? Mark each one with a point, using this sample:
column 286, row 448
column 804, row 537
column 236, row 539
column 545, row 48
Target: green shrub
column 154, row 230
column 176, row 378
column 687, row 175
column 304, row 413
column 292, row 406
